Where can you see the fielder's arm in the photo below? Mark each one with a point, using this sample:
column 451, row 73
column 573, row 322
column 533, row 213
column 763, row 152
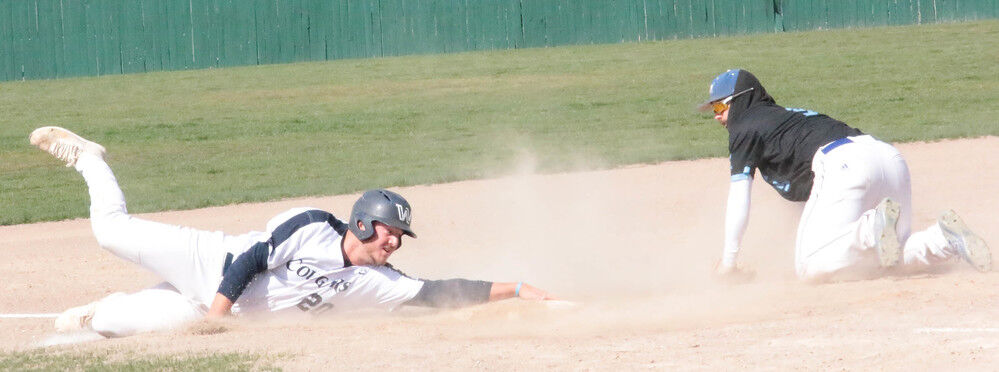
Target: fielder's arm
column 736, row 219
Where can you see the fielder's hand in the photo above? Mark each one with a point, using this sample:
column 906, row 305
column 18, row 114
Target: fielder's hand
column 733, row 274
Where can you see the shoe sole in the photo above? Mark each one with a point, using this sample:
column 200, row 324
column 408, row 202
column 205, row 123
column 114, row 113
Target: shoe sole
column 44, row 137
column 889, row 249
column 975, row 252
column 40, row 134
column 75, row 319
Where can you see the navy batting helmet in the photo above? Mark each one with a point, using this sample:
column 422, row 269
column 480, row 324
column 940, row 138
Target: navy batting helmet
column 383, row 206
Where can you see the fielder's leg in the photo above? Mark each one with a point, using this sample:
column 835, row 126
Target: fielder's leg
column 828, row 223
column 947, row 238
column 846, row 221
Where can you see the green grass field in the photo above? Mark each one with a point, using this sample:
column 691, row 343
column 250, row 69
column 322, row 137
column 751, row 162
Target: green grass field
column 58, row 361
column 180, row 140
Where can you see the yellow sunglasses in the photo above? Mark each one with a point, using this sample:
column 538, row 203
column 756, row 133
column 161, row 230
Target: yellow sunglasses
column 720, row 106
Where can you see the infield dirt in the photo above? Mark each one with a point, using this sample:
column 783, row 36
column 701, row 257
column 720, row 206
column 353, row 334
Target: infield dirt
column 634, row 246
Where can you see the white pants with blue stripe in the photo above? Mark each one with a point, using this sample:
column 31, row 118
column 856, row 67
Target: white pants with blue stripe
column 835, row 232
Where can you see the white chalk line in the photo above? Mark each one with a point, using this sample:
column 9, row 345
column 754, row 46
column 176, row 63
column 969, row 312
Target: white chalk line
column 27, row 316
column 957, row 330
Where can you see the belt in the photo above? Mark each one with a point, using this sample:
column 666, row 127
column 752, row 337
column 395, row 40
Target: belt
column 834, row 144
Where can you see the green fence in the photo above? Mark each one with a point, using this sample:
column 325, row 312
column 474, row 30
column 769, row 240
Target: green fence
column 62, row 38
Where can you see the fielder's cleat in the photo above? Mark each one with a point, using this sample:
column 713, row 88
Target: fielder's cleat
column 63, row 144
column 971, row 247
column 885, row 236
column 76, row 319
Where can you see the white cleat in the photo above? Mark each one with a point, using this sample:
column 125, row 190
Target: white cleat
column 971, row 247
column 886, row 243
column 63, row 144
column 76, row 319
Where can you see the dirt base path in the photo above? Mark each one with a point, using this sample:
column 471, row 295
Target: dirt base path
column 634, row 245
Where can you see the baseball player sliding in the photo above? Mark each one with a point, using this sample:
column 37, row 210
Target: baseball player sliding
column 856, row 189
column 308, row 261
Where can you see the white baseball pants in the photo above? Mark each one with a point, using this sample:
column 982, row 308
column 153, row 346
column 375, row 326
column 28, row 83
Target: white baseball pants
column 836, row 227
column 190, row 260
column 153, row 309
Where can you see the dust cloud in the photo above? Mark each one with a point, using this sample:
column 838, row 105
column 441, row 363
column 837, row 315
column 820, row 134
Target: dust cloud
column 633, row 246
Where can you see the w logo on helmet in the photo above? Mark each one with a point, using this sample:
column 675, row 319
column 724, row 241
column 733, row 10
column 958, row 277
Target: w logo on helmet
column 405, row 214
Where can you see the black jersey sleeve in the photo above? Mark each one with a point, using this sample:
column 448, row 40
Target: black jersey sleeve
column 744, row 154
column 451, row 293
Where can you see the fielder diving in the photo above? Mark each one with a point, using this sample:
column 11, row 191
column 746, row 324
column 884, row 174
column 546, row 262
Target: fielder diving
column 858, row 205
column 308, row 262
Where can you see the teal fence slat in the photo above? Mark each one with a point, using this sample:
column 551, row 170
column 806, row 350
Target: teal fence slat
column 21, row 39
column 6, row 41
column 47, row 18
column 61, row 38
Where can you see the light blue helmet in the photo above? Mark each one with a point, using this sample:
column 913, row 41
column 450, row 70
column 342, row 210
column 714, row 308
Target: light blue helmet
column 724, row 85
